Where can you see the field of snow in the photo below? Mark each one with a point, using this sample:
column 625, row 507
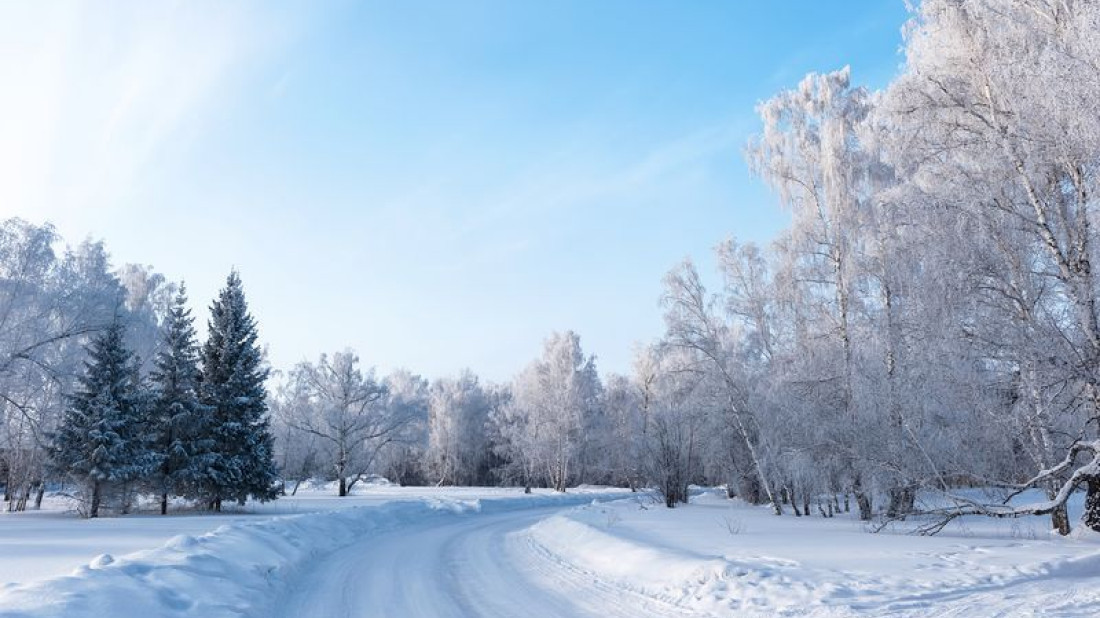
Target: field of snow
column 391, row 551
column 719, row 557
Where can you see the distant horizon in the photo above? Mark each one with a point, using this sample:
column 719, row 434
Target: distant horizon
column 436, row 187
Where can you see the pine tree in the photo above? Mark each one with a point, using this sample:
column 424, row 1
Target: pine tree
column 181, row 425
column 100, row 441
column 232, row 385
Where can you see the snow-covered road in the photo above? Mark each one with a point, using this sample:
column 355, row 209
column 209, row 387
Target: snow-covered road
column 480, row 565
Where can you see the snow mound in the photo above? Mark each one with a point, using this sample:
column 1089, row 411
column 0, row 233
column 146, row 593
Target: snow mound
column 706, row 584
column 237, row 569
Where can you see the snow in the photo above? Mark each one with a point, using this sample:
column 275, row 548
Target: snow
column 225, row 564
column 485, row 552
column 725, row 558
column 53, row 541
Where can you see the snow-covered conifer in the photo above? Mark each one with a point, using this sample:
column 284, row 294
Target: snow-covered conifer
column 232, row 385
column 100, row 442
column 181, row 426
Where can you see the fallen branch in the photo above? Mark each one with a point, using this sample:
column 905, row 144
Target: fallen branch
column 966, row 506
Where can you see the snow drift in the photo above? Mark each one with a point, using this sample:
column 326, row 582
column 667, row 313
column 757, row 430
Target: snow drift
column 697, row 558
column 675, row 575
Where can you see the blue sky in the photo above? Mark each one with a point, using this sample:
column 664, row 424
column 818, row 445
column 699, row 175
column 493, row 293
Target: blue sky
column 438, row 185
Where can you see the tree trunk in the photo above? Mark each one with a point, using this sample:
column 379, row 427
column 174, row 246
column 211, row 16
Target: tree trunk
column 39, row 495
column 164, row 503
column 765, row 486
column 93, row 510
column 788, row 498
column 343, row 486
column 863, row 500
column 901, row 502
column 24, row 495
column 1092, row 504
column 1059, row 520
column 750, row 489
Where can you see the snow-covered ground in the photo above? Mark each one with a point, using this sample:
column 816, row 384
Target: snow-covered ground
column 231, row 564
column 495, row 552
column 53, row 541
column 725, row 558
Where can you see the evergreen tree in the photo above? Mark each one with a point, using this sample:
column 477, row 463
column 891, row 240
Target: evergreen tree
column 100, row 441
column 232, row 385
column 182, row 428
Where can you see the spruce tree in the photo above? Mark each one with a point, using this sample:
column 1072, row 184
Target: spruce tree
column 232, row 385
column 182, row 428
column 100, row 442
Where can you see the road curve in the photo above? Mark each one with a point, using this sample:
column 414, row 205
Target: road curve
column 475, row 565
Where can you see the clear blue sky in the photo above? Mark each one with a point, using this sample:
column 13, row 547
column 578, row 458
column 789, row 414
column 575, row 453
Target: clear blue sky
column 435, row 184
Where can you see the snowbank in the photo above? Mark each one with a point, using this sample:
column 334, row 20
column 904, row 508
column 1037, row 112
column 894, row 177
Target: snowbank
column 236, row 569
column 700, row 582
column 720, row 557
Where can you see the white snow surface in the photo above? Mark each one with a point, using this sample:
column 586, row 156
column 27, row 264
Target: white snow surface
column 719, row 557
column 54, row 541
column 239, row 568
column 495, row 552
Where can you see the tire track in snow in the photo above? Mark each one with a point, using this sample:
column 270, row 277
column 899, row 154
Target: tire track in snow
column 473, row 566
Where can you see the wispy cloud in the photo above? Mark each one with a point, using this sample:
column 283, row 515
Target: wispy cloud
column 493, row 225
column 95, row 95
column 583, row 177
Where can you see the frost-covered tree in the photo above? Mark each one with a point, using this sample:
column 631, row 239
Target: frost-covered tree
column 972, row 124
column 51, row 303
column 705, row 341
column 232, row 386
column 810, row 154
column 298, row 453
column 148, row 300
column 626, row 406
column 101, row 442
column 554, row 401
column 682, row 400
column 181, row 425
column 345, row 409
column 401, row 458
column 457, row 436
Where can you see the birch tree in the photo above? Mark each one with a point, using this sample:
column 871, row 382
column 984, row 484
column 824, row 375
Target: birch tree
column 457, row 436
column 976, row 127
column 694, row 326
column 554, row 401
column 808, row 152
column 344, row 409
